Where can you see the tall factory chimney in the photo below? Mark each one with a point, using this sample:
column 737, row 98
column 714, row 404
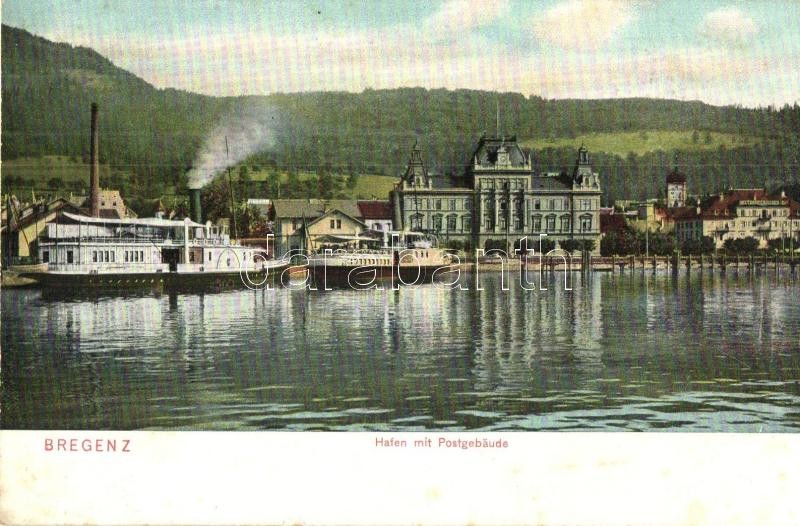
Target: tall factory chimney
column 195, row 210
column 94, row 192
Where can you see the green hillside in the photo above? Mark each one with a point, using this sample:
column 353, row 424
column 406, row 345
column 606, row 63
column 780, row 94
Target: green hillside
column 54, row 173
column 151, row 137
column 644, row 141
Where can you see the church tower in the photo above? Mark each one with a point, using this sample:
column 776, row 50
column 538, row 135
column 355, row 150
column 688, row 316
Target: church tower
column 676, row 188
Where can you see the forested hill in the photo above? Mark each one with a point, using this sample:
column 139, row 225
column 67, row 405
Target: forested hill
column 151, row 136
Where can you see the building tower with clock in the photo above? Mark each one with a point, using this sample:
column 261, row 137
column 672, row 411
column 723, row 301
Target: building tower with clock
column 676, row 188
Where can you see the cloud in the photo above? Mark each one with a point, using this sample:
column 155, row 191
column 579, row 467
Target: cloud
column 584, row 24
column 729, row 26
column 448, row 50
column 462, row 16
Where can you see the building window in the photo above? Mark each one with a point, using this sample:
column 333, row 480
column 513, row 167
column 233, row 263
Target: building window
column 537, row 204
column 338, row 223
column 437, row 222
column 333, row 223
column 467, row 204
column 586, row 204
column 46, row 256
column 502, row 223
column 451, row 222
column 466, row 223
column 586, row 223
column 551, row 223
column 70, row 257
column 438, row 204
column 565, row 226
column 113, row 257
column 105, row 256
column 537, row 223
column 488, row 223
column 452, row 204
column 191, row 257
column 416, row 222
column 566, row 203
column 553, row 204
column 141, row 255
column 517, row 222
column 94, row 256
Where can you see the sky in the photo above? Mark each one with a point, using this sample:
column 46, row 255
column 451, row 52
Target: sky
column 721, row 52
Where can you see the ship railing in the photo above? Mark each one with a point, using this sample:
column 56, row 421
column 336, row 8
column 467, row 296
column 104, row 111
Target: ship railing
column 104, row 268
column 144, row 240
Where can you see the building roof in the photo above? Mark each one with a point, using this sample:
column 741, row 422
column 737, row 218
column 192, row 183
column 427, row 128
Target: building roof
column 375, row 210
column 551, row 182
column 488, row 147
column 312, row 208
column 333, row 211
column 676, row 177
column 37, row 211
column 724, row 205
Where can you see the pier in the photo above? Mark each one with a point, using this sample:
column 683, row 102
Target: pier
column 627, row 264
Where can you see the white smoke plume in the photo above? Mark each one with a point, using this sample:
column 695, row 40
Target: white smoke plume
column 250, row 128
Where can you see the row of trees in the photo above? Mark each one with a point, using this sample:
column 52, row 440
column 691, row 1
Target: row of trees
column 629, row 242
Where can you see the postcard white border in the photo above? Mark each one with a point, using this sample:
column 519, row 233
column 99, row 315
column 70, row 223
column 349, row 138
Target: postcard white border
column 345, row 478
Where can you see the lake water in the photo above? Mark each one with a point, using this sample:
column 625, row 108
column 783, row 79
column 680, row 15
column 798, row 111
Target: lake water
column 618, row 352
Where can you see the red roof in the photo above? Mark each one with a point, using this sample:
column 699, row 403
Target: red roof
column 681, row 212
column 723, row 205
column 379, row 210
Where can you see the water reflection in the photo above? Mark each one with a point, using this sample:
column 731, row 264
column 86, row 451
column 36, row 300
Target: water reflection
column 636, row 352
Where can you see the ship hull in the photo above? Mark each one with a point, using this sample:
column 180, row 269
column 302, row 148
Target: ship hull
column 365, row 276
column 159, row 282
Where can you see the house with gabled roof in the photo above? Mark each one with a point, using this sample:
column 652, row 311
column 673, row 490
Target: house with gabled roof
column 24, row 225
column 300, row 222
column 738, row 214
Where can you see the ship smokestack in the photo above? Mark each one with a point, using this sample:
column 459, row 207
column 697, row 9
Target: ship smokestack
column 195, row 209
column 94, row 173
